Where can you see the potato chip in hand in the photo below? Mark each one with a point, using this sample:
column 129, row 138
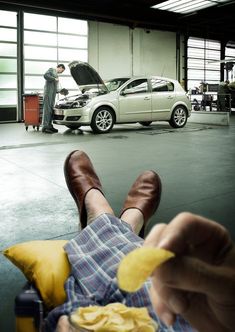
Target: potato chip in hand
column 138, row 265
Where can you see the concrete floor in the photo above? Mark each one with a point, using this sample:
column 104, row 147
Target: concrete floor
column 196, row 165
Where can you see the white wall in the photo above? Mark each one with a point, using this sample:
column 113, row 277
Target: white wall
column 116, row 50
column 109, row 49
column 154, row 53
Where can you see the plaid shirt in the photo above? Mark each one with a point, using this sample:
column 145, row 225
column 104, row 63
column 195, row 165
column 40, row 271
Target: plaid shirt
column 94, row 255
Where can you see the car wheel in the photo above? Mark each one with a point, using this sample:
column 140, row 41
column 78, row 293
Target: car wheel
column 102, row 120
column 145, row 123
column 179, row 117
column 73, row 127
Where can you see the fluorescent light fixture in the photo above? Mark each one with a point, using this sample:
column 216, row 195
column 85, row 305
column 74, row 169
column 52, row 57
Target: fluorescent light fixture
column 187, row 6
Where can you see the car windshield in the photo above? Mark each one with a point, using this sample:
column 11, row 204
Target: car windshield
column 115, row 83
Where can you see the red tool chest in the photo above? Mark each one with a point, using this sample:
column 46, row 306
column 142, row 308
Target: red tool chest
column 33, row 104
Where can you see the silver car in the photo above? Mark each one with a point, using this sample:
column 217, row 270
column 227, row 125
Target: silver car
column 100, row 104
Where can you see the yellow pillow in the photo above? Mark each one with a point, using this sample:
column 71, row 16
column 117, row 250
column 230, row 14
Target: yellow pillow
column 45, row 264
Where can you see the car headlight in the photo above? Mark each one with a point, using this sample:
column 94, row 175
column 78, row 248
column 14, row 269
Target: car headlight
column 80, row 103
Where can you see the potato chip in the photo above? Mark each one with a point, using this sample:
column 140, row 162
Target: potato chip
column 114, row 317
column 138, row 265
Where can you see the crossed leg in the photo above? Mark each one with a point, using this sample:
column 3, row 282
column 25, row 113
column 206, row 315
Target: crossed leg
column 86, row 190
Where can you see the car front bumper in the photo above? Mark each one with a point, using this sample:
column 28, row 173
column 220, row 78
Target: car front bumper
column 71, row 116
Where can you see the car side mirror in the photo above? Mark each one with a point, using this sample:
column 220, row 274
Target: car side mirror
column 123, row 93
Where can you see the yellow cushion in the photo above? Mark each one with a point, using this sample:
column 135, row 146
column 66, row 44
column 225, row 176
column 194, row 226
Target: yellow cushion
column 45, row 264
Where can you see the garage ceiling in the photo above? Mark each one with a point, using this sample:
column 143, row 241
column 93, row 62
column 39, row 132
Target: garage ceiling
column 215, row 22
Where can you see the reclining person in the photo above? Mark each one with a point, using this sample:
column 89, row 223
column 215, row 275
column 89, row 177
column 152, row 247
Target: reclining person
column 180, row 291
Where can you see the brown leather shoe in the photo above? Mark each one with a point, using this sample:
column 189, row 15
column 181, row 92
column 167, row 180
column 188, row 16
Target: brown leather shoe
column 145, row 195
column 80, row 177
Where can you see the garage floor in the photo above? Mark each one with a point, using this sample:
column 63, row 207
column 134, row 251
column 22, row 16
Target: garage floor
column 195, row 163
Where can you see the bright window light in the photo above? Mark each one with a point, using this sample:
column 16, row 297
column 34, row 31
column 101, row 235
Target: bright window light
column 187, row 6
column 39, row 22
column 68, row 25
column 9, row 35
column 8, row 18
column 8, row 97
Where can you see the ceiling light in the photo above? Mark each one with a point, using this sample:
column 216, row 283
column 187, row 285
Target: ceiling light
column 187, row 6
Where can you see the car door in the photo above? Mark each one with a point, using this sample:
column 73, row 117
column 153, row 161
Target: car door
column 163, row 98
column 135, row 101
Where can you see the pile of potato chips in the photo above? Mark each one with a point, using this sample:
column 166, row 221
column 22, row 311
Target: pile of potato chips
column 114, row 317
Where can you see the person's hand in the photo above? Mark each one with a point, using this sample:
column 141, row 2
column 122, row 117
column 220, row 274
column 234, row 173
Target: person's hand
column 63, row 325
column 199, row 283
column 57, row 79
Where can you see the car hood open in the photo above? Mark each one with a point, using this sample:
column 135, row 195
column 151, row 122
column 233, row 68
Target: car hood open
column 85, row 75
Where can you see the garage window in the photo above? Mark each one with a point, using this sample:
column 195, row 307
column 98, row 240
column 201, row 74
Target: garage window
column 49, row 40
column 229, row 67
column 203, row 62
column 8, row 66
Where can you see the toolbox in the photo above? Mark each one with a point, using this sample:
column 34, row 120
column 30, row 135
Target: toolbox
column 33, row 107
